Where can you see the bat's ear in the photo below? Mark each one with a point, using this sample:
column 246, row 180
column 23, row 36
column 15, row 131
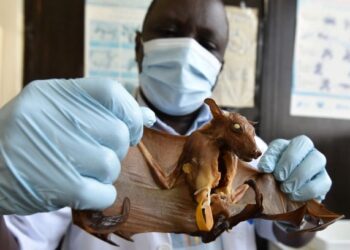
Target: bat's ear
column 253, row 123
column 214, row 108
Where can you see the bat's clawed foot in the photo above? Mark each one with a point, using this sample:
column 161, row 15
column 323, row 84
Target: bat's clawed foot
column 220, row 226
column 102, row 222
column 101, row 225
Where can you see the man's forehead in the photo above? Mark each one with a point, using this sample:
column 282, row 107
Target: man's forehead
column 204, row 13
column 176, row 8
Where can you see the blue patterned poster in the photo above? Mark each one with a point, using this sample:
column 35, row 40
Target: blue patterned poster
column 110, row 27
column 321, row 77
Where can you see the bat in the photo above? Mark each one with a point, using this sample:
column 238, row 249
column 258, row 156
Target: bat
column 199, row 185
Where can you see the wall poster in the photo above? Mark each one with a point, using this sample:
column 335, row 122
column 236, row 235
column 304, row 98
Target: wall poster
column 236, row 85
column 110, row 27
column 321, row 77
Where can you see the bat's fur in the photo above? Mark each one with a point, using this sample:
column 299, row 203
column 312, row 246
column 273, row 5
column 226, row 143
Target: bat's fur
column 159, row 177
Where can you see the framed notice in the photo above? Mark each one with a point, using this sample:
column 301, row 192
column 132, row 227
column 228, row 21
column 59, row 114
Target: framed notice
column 110, row 27
column 321, row 77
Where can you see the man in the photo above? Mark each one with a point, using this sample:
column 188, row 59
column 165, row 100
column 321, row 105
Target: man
column 180, row 53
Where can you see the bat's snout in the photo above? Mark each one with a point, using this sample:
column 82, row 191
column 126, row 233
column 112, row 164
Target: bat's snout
column 256, row 154
column 250, row 155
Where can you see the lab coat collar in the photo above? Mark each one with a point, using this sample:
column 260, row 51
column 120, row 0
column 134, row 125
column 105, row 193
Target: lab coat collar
column 203, row 117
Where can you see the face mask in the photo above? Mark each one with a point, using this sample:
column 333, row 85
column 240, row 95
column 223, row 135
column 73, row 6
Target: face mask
column 177, row 74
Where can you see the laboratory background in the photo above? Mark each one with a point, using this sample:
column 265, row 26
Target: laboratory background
column 289, row 59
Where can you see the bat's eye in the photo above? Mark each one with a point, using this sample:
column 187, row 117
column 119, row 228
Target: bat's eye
column 237, row 127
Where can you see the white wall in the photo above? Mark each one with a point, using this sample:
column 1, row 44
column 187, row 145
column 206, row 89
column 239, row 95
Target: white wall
column 11, row 48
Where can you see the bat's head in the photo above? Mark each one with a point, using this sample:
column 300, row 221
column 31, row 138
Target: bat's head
column 234, row 132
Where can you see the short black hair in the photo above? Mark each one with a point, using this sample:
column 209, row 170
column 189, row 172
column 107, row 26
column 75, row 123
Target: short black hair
column 150, row 8
column 153, row 3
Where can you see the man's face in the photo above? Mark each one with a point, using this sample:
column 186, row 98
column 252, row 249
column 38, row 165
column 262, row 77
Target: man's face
column 202, row 20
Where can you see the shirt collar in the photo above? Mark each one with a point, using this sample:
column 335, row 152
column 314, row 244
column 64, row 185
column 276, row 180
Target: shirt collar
column 204, row 116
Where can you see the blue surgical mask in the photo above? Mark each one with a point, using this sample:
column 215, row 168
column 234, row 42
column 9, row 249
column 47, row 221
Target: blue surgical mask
column 177, row 74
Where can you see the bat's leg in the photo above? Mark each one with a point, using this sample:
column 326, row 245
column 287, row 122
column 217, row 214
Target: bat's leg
column 230, row 164
column 258, row 195
column 165, row 181
column 242, row 189
column 208, row 176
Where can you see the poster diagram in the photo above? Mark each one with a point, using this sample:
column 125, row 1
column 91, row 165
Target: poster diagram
column 110, row 27
column 236, row 85
column 321, row 77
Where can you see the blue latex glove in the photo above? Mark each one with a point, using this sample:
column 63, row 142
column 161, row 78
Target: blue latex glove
column 61, row 144
column 299, row 166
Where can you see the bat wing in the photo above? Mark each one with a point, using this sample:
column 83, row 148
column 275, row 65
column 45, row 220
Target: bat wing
column 165, row 149
column 265, row 200
column 151, row 208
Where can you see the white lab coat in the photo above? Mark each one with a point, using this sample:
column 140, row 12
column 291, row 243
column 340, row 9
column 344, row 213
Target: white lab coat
column 44, row 231
column 240, row 237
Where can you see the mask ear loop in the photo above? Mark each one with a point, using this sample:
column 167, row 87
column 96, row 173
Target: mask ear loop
column 139, row 53
column 217, row 77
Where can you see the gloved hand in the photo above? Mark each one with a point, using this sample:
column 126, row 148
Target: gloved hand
column 61, row 144
column 299, row 166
